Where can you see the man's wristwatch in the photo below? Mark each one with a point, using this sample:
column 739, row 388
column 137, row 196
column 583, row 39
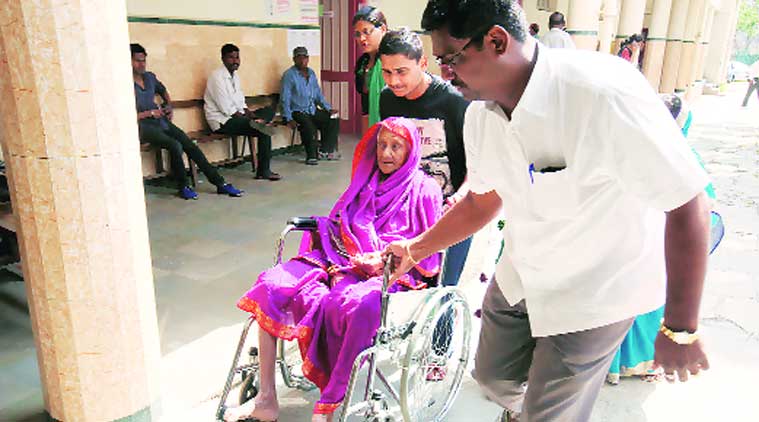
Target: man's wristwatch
column 679, row 337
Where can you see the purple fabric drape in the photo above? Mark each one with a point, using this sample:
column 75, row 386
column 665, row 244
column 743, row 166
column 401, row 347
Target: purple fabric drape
column 318, row 297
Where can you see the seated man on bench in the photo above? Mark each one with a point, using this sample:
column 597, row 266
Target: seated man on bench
column 304, row 106
column 227, row 113
column 157, row 130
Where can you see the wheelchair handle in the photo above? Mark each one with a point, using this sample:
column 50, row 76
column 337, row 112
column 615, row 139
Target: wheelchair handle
column 303, row 223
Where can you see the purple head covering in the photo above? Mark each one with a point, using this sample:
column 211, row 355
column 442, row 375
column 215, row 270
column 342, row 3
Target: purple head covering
column 373, row 212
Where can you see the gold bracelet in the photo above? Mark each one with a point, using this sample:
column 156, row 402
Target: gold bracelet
column 408, row 252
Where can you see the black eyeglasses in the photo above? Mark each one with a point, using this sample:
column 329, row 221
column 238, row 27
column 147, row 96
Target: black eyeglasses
column 365, row 32
column 453, row 60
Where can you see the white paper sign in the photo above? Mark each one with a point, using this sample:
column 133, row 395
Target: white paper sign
column 309, row 38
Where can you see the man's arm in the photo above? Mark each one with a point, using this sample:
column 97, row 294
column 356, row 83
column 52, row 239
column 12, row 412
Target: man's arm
column 461, row 221
column 686, row 244
column 164, row 94
column 284, row 97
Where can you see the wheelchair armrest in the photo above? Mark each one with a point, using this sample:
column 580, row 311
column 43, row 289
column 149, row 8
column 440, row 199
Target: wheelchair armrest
column 303, row 223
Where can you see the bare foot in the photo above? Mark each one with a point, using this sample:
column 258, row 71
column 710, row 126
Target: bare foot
column 263, row 410
column 322, row 418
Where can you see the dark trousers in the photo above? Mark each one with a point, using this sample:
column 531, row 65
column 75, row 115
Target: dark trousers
column 753, row 85
column 240, row 126
column 175, row 141
column 308, row 124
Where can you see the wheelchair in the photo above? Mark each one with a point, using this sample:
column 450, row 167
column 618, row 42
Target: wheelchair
column 413, row 369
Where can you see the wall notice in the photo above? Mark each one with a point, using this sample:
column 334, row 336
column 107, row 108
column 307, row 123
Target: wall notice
column 309, row 12
column 277, row 8
column 309, row 38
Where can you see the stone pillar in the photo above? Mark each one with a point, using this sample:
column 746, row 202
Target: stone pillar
column 608, row 25
column 692, row 26
column 703, row 42
column 656, row 44
column 721, row 42
column 69, row 136
column 673, row 51
column 582, row 23
column 630, row 20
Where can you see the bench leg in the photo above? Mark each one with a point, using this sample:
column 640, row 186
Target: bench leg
column 252, row 147
column 193, row 172
column 233, row 141
column 159, row 161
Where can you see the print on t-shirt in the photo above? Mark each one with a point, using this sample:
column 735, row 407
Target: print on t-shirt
column 434, row 153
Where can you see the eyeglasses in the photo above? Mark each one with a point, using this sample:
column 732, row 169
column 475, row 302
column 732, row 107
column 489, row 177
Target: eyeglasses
column 365, row 32
column 453, row 60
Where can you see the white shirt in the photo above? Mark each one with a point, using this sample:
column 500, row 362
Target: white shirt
column 584, row 246
column 223, row 97
column 557, row 38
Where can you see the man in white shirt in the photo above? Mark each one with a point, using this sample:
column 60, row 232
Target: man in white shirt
column 589, row 171
column 557, row 36
column 227, row 113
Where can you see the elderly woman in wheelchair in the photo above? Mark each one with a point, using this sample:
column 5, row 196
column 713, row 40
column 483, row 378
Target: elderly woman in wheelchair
column 328, row 297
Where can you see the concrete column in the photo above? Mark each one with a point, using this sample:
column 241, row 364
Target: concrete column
column 703, row 42
column 582, row 23
column 608, row 25
column 692, row 25
column 69, row 136
column 656, row 44
column 721, row 42
column 673, row 50
column 630, row 20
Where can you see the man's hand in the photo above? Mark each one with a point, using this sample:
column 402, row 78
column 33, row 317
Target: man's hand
column 292, row 124
column 334, row 111
column 402, row 260
column 679, row 359
column 168, row 112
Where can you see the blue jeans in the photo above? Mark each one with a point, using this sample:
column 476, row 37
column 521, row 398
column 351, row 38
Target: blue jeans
column 455, row 258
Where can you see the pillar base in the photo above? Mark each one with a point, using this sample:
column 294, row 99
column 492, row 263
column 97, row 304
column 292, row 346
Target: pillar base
column 146, row 414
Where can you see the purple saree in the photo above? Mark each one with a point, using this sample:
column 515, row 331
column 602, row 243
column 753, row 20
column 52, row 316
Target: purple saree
column 318, row 297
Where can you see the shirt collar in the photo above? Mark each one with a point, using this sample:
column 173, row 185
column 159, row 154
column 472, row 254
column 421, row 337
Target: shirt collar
column 537, row 93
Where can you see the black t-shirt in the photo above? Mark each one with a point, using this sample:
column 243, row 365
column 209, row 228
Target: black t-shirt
column 439, row 116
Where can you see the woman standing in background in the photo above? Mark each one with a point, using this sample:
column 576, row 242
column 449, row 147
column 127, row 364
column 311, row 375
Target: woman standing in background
column 369, row 26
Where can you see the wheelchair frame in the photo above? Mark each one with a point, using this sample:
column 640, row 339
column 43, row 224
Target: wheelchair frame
column 374, row 406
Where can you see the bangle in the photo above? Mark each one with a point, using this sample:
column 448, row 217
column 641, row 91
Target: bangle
column 408, row 253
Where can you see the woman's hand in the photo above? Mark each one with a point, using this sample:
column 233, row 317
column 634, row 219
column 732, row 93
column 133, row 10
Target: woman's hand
column 370, row 263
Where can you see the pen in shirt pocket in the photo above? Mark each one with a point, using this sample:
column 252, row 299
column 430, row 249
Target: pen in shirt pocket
column 549, row 169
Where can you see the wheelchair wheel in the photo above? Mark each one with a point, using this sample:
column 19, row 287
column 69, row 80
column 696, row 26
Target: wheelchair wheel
column 436, row 357
column 249, row 386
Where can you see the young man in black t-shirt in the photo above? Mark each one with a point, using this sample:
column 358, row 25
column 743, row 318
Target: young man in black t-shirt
column 438, row 110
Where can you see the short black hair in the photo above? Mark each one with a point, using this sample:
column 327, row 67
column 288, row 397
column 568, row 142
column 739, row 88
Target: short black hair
column 556, row 19
column 370, row 14
column 136, row 49
column 228, row 48
column 401, row 41
column 472, row 18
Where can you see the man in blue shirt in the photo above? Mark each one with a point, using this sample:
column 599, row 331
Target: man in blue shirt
column 304, row 107
column 156, row 129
